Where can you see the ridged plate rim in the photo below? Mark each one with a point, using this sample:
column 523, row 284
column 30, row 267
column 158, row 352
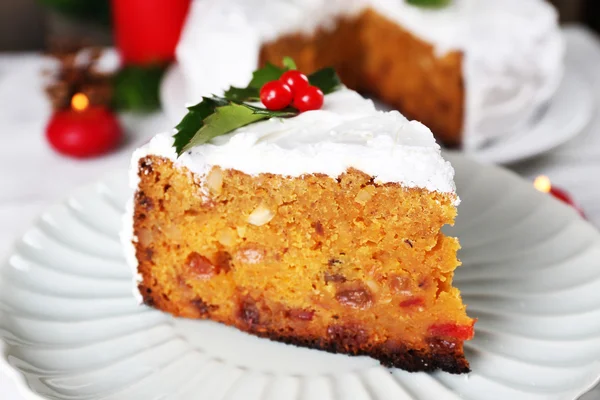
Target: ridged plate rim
column 480, row 174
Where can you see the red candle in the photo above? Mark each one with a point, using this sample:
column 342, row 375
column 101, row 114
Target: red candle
column 147, row 31
column 83, row 130
column 543, row 184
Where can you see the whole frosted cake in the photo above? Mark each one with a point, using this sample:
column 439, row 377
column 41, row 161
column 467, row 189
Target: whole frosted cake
column 320, row 229
column 472, row 70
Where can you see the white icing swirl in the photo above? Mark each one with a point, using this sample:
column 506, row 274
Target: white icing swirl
column 512, row 49
column 347, row 133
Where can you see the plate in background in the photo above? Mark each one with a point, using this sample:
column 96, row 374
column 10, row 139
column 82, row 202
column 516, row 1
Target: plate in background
column 564, row 117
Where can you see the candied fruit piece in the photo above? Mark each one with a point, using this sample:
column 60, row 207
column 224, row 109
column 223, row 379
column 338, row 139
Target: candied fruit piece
column 223, row 261
column 356, row 297
column 300, row 314
column 202, row 307
column 413, row 302
column 250, row 255
column 401, row 285
column 200, row 266
column 337, row 278
column 462, row 332
column 248, row 313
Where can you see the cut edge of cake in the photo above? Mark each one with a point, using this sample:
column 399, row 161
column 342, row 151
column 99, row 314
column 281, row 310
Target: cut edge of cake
column 344, row 332
column 177, row 194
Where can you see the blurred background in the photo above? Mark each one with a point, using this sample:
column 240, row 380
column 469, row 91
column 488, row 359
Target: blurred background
column 27, row 24
column 27, row 27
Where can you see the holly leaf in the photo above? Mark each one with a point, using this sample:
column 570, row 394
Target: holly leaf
column 429, row 3
column 325, row 79
column 265, row 74
column 194, row 121
column 223, row 120
column 217, row 116
column 242, row 94
column 285, row 113
column 261, row 76
column 289, row 63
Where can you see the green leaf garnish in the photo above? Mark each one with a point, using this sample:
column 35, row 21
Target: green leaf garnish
column 429, row 3
column 265, row 74
column 225, row 119
column 261, row 76
column 325, row 79
column 216, row 116
column 286, row 113
column 289, row 63
column 194, row 120
column 242, row 94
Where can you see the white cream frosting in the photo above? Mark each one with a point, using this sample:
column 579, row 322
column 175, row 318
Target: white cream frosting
column 348, row 132
column 512, row 49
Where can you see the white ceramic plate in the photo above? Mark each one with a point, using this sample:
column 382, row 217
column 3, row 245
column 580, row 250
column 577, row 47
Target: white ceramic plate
column 565, row 117
column 72, row 329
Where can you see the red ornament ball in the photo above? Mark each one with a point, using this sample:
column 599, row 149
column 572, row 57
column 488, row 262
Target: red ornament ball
column 311, row 98
column 83, row 134
column 295, row 79
column 276, row 95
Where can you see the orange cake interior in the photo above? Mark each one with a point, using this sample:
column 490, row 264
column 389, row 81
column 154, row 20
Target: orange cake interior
column 344, row 265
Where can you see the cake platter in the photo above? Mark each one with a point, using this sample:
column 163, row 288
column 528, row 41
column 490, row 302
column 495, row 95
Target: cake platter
column 70, row 327
column 562, row 119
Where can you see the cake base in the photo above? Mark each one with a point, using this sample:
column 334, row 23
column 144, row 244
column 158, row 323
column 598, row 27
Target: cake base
column 344, row 265
column 442, row 354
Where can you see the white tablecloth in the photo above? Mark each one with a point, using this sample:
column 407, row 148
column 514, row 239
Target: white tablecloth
column 32, row 176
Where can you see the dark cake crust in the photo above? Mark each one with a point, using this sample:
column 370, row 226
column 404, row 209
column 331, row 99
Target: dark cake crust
column 442, row 354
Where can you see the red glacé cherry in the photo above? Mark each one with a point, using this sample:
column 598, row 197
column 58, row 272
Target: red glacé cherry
column 276, row 95
column 461, row 332
column 308, row 99
column 295, row 79
column 88, row 133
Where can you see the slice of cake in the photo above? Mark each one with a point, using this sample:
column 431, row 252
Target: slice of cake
column 320, row 229
column 471, row 70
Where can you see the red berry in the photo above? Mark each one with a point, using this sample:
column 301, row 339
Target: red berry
column 295, row 79
column 87, row 134
column 311, row 98
column 276, row 95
